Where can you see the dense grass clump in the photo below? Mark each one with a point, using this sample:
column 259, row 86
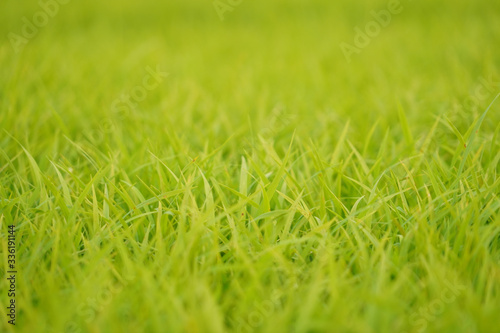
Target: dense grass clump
column 169, row 171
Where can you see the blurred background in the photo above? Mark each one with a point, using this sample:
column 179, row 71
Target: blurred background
column 263, row 56
column 80, row 79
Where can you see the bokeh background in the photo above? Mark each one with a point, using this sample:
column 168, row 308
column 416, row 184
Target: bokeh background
column 264, row 54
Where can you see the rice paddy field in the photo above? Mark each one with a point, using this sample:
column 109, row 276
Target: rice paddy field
column 250, row 166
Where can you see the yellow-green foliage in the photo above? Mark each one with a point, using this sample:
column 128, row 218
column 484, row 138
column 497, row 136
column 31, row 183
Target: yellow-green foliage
column 178, row 166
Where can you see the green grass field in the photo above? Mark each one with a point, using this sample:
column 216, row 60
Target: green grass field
column 250, row 166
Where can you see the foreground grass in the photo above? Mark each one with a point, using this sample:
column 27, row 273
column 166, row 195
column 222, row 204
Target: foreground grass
column 265, row 184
